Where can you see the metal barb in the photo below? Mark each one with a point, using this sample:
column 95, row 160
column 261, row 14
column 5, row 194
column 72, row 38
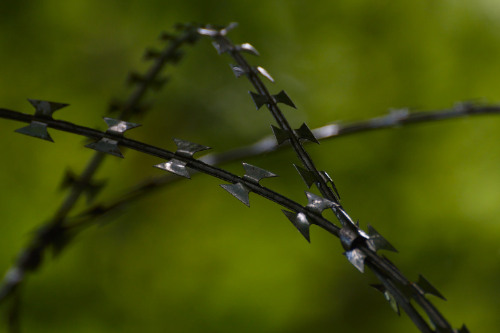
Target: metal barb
column 258, row 99
column 388, row 297
column 106, row 145
column 318, row 204
column 377, row 242
column 118, row 127
column 188, row 149
column 308, row 177
column 237, row 70
column 46, row 108
column 327, row 179
column 280, row 134
column 208, row 32
column 428, row 288
column 255, row 174
column 305, row 133
column 357, row 258
column 239, row 191
column 91, row 188
column 175, row 166
column 248, row 48
column 299, row 220
column 134, row 78
column 43, row 109
column 221, row 46
column 265, row 73
column 229, row 27
column 282, row 97
column 36, row 129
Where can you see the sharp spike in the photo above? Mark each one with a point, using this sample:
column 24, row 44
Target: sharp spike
column 175, row 166
column 107, row 146
column 318, row 204
column 255, row 174
column 464, row 329
column 237, row 70
column 208, row 32
column 158, row 83
column 258, row 99
column 348, row 236
column 377, row 242
column 221, row 46
column 134, row 78
column 115, row 105
column 308, row 177
column 248, row 48
column 388, row 296
column 188, row 149
column 239, row 191
column 265, row 73
column 282, row 97
column 300, row 222
column 91, row 189
column 280, row 134
column 36, row 129
column 165, row 36
column 176, row 56
column 327, row 179
column 305, row 133
column 119, row 127
column 228, row 28
column 357, row 259
column 428, row 288
column 46, row 108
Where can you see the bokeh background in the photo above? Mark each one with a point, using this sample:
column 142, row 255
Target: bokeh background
column 191, row 258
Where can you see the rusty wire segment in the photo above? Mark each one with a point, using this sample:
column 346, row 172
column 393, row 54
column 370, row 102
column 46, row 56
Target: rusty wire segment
column 52, row 234
column 361, row 247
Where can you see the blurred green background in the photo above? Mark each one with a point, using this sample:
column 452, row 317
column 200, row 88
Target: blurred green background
column 191, row 258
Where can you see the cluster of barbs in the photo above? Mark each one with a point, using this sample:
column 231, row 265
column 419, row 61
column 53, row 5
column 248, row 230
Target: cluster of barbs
column 360, row 246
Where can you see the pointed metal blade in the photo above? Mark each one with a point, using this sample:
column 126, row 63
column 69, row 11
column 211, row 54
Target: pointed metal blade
column 305, row 133
column 318, row 204
column 151, row 54
column 134, row 78
column 282, row 97
column 388, row 297
column 357, row 259
column 308, row 177
column 46, row 108
column 280, row 134
column 326, row 177
column 119, row 127
column 237, row 70
column 255, row 174
column 228, row 28
column 188, row 149
column 428, row 288
column 221, row 47
column 377, row 242
column 107, row 146
column 239, row 191
column 265, row 73
column 36, row 129
column 175, row 166
column 208, row 32
column 258, row 99
column 248, row 48
column 299, row 220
